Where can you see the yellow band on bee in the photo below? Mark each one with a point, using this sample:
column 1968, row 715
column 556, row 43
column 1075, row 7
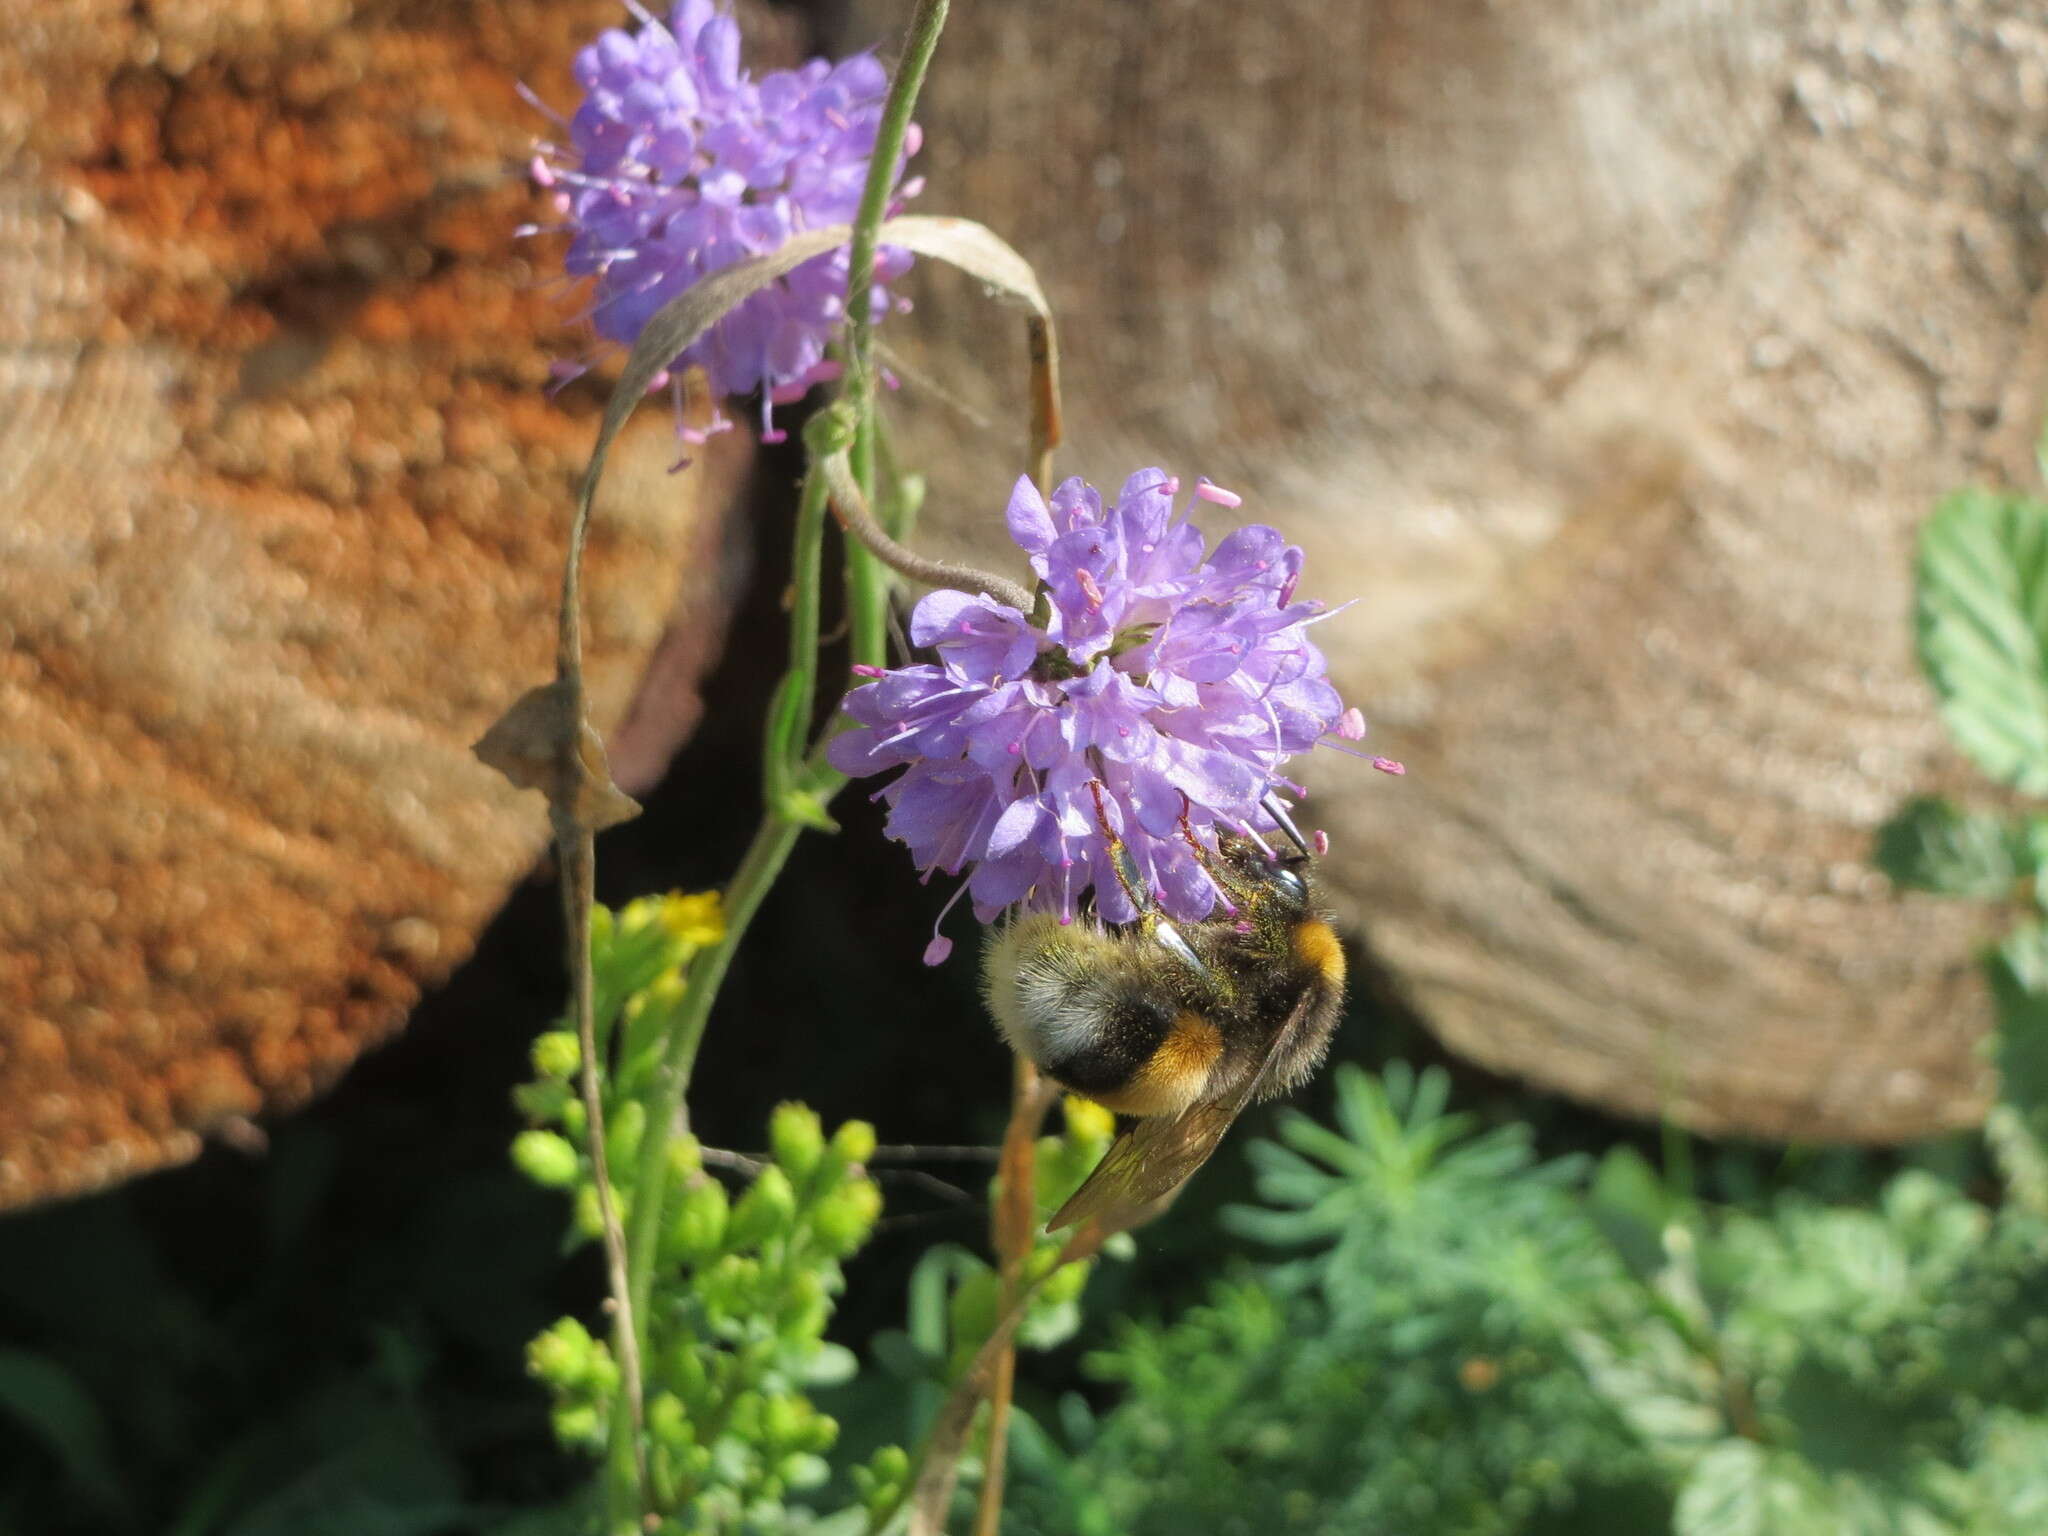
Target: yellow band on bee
column 1315, row 945
column 1176, row 1073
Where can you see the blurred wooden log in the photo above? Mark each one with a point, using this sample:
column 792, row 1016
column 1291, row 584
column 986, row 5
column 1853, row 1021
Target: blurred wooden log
column 1611, row 353
column 281, row 514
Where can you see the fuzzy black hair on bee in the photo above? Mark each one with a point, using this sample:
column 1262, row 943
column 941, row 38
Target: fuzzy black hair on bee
column 1179, row 1024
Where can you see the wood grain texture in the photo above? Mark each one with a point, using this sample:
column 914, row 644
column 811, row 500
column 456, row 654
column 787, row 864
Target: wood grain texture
column 282, row 505
column 1611, row 354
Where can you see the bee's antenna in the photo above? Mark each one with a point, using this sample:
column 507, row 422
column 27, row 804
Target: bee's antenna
column 1285, row 823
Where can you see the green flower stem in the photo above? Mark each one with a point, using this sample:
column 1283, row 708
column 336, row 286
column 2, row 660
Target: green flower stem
column 867, row 584
column 867, row 594
column 789, row 715
column 923, row 38
column 663, row 1099
column 786, row 768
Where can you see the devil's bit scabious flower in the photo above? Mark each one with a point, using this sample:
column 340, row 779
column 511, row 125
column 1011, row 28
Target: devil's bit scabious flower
column 1172, row 683
column 678, row 164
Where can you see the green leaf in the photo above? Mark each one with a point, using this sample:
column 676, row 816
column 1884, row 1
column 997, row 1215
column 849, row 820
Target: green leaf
column 1932, row 845
column 1982, row 617
column 2018, row 969
column 1727, row 1493
column 1632, row 1208
column 46, row 1400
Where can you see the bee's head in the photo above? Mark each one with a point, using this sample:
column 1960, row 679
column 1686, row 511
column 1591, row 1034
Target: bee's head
column 1264, row 876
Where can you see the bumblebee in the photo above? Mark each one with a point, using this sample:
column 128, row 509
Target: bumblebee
column 1178, row 1026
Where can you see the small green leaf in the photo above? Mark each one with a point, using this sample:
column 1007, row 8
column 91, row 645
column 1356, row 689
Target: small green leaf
column 1931, row 845
column 1726, row 1493
column 2019, row 983
column 46, row 1400
column 1982, row 618
column 1631, row 1207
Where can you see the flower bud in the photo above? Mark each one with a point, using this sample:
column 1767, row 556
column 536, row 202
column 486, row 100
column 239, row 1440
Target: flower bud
column 685, row 1157
column 765, row 1210
column 797, row 1139
column 842, row 1219
column 546, row 1158
column 622, row 1135
column 557, row 1054
column 579, row 1426
column 668, row 1422
column 1065, row 1285
column 561, row 1355
column 805, row 1308
column 854, row 1141
column 783, row 1419
column 542, row 1100
column 697, row 1231
column 697, row 919
column 589, row 1220
column 728, row 1287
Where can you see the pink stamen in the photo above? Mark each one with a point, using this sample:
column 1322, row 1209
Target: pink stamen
column 1207, row 490
column 1321, row 840
column 542, row 173
column 1388, row 765
column 1351, row 724
column 1089, row 590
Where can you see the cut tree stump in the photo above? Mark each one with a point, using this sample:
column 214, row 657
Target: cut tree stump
column 1609, row 354
column 282, row 509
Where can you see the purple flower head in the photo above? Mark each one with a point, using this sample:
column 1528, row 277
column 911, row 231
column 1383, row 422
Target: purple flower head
column 1158, row 690
column 679, row 164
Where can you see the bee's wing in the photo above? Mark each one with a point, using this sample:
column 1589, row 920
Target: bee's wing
column 1150, row 1158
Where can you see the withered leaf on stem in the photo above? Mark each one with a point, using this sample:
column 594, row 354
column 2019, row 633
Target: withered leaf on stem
column 528, row 744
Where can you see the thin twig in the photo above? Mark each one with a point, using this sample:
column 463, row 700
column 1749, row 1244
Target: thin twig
column 929, row 1489
column 579, row 871
column 576, row 851
column 917, row 1154
column 1015, row 1209
column 856, row 518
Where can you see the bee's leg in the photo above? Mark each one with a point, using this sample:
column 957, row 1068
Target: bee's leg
column 1150, row 919
column 1231, row 892
column 1121, row 864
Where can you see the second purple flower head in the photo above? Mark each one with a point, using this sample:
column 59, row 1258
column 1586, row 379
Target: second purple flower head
column 1159, row 687
column 680, row 164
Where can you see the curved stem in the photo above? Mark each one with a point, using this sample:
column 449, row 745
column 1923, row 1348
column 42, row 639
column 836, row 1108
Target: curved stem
column 855, row 517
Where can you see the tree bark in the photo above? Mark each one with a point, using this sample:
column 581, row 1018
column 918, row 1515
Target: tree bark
column 1609, row 354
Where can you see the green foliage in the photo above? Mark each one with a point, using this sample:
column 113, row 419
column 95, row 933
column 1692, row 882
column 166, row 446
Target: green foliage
column 1410, row 1366
column 1461, row 1338
column 1982, row 615
column 733, row 1344
column 955, row 1296
column 1932, row 845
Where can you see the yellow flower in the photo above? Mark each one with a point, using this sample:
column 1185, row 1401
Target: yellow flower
column 697, row 919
